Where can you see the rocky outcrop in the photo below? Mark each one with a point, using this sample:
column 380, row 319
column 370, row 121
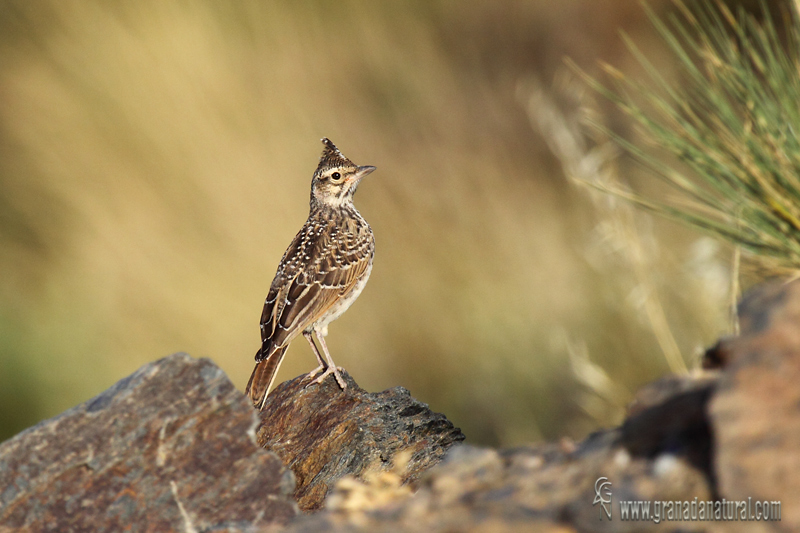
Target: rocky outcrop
column 175, row 447
column 541, row 488
column 324, row 433
column 170, row 448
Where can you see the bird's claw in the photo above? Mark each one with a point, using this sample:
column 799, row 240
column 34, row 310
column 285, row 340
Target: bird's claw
column 328, row 371
column 313, row 373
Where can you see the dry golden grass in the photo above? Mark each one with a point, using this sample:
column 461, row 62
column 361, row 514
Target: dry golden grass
column 156, row 160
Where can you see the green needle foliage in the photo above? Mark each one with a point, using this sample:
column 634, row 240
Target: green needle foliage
column 733, row 122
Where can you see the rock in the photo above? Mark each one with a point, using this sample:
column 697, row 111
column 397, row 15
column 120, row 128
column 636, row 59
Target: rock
column 548, row 487
column 323, row 434
column 669, row 416
column 170, row 448
column 755, row 410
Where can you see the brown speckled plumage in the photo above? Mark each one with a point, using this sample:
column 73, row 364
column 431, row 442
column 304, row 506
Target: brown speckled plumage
column 321, row 273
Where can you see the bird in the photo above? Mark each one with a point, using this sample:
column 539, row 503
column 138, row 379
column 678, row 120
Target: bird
column 320, row 275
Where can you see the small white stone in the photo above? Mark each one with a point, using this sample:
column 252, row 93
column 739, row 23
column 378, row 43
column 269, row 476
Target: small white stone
column 622, row 458
column 665, row 464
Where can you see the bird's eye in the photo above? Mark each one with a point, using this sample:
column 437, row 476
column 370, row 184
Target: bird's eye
column 336, row 176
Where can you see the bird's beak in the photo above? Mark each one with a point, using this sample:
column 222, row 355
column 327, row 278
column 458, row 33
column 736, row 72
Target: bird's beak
column 363, row 171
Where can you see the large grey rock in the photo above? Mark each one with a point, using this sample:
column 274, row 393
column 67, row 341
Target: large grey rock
column 170, row 448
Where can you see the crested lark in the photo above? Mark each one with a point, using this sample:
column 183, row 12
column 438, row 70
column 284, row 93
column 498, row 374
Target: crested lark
column 320, row 275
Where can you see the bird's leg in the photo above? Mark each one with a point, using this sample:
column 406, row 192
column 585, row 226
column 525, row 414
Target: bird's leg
column 322, row 365
column 332, row 368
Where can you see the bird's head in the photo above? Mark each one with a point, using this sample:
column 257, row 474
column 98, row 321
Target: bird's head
column 336, row 178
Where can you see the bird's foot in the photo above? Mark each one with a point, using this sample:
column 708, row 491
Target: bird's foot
column 313, row 373
column 335, row 371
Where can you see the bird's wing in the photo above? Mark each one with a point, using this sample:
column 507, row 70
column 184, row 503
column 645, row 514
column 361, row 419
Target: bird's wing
column 323, row 263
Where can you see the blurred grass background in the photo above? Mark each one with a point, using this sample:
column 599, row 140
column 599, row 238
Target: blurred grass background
column 156, row 160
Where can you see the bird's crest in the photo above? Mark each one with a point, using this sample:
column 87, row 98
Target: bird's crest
column 331, row 157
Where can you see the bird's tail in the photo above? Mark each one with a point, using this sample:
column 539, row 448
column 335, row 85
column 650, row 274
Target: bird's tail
column 263, row 376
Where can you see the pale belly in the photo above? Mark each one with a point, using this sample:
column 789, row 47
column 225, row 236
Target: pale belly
column 321, row 325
